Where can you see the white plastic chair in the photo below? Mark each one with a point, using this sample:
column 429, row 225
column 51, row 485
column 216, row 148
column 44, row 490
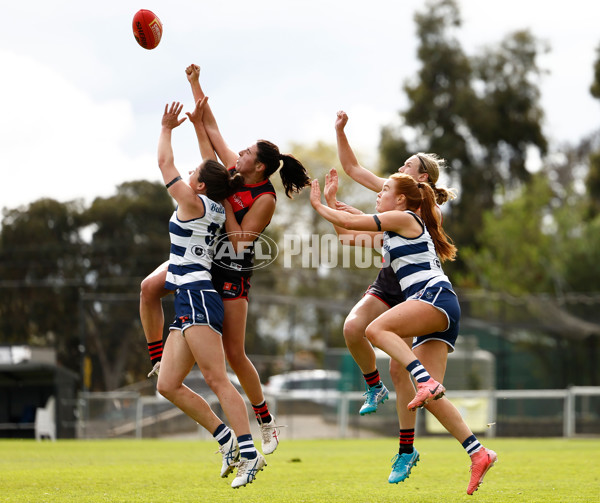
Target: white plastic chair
column 45, row 424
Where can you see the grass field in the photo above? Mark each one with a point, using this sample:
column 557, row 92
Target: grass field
column 349, row 471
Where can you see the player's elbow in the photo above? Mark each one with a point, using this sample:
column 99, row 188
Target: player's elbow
column 346, row 222
column 349, row 168
column 164, row 161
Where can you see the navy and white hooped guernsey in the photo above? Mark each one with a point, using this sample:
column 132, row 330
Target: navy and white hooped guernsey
column 414, row 260
column 192, row 247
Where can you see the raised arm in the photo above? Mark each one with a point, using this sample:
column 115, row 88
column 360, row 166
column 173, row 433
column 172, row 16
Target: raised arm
column 196, row 118
column 349, row 161
column 166, row 159
column 189, row 205
column 227, row 155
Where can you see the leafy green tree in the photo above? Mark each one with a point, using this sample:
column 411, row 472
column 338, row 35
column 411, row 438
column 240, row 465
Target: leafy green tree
column 538, row 243
column 440, row 96
column 129, row 231
column 333, row 283
column 580, row 250
column 481, row 113
column 41, row 266
column 593, row 184
column 297, row 218
column 71, row 275
column 593, row 178
column 393, row 150
column 517, row 256
column 129, row 239
column 539, row 280
column 507, row 119
column 595, row 87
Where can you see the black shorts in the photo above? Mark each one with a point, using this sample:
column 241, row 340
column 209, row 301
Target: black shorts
column 230, row 286
column 386, row 288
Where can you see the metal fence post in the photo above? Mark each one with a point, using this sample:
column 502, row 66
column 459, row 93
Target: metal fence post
column 139, row 416
column 569, row 414
column 343, row 415
column 492, row 412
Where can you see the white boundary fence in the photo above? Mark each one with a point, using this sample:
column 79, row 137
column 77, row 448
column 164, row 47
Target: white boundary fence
column 128, row 414
column 568, row 396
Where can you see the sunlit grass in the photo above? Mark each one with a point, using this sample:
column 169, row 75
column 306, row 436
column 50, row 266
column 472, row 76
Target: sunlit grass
column 544, row 470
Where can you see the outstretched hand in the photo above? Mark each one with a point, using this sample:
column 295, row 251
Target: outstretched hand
column 197, row 115
column 315, row 193
column 341, row 120
column 331, row 187
column 193, row 73
column 170, row 117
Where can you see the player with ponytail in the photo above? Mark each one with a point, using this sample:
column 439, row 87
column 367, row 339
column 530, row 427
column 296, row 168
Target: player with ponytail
column 385, row 293
column 249, row 211
column 414, row 246
column 195, row 336
column 421, row 198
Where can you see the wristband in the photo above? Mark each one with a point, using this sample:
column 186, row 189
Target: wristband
column 377, row 221
column 175, row 180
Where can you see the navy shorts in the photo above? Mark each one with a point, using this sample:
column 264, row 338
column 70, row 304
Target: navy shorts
column 198, row 307
column 386, row 288
column 442, row 297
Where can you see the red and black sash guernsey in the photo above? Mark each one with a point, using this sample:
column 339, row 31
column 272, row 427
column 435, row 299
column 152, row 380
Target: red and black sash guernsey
column 241, row 202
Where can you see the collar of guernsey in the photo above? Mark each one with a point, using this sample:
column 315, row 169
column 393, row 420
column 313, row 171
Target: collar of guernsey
column 244, row 198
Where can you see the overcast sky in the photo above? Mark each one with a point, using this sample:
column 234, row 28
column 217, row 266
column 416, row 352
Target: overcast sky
column 83, row 102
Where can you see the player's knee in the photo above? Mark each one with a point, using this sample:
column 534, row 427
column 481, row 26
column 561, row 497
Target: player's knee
column 235, row 357
column 166, row 389
column 354, row 329
column 152, row 288
column 145, row 289
column 148, row 287
column 216, row 381
column 373, row 334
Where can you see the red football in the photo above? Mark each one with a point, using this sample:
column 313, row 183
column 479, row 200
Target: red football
column 147, row 28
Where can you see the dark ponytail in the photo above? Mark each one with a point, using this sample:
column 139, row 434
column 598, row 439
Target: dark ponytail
column 293, row 174
column 236, row 182
column 219, row 182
